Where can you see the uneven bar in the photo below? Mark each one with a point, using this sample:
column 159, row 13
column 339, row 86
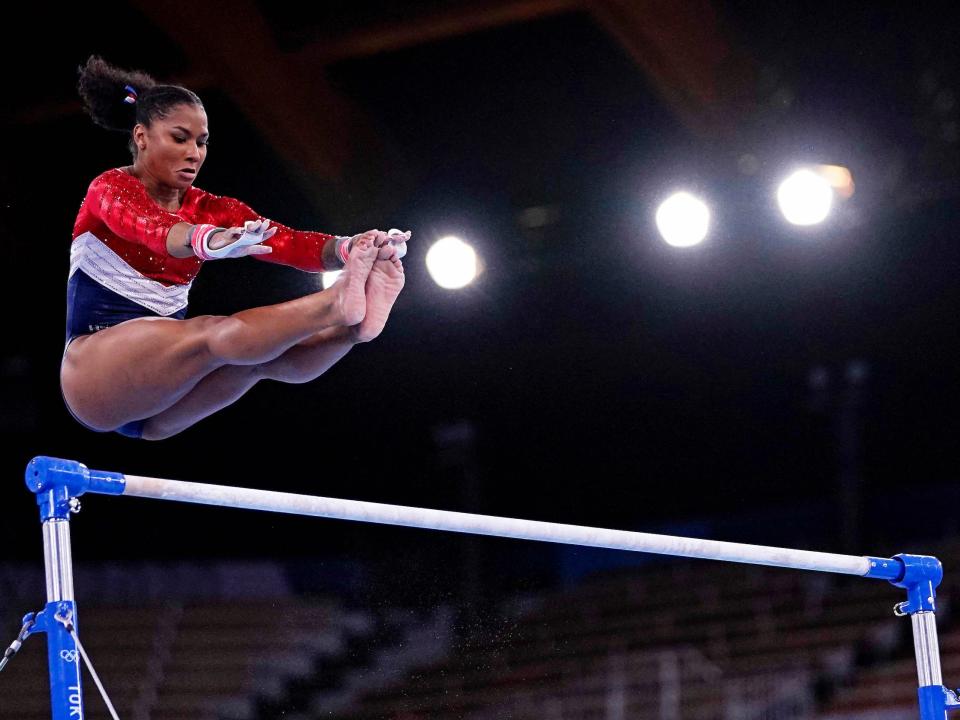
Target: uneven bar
column 368, row 512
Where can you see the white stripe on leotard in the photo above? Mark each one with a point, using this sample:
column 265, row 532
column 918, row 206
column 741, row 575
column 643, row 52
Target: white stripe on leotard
column 90, row 254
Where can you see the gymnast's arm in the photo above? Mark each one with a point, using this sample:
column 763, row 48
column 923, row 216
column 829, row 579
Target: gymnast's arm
column 121, row 202
column 303, row 249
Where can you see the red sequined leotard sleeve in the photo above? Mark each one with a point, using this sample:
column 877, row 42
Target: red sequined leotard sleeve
column 120, row 240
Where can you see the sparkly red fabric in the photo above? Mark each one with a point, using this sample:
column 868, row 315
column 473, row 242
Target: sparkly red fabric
column 119, row 211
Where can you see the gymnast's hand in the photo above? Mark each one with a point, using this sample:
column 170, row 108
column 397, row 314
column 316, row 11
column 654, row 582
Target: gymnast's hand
column 390, row 242
column 242, row 241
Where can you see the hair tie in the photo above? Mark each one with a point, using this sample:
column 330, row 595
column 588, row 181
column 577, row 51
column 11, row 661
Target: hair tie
column 131, row 97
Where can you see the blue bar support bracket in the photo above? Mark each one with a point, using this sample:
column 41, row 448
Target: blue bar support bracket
column 63, row 659
column 58, row 483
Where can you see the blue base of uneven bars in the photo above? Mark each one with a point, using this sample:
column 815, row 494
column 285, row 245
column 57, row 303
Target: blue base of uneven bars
column 63, row 660
column 935, row 701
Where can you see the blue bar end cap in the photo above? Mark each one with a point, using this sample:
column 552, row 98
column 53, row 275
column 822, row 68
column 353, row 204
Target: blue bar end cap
column 920, row 578
column 56, row 481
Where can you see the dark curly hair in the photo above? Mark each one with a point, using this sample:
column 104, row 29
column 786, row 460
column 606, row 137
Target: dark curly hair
column 103, row 89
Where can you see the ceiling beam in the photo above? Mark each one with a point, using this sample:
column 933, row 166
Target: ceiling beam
column 684, row 50
column 428, row 26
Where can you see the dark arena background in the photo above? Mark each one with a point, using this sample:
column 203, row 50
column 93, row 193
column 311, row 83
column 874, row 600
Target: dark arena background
column 777, row 383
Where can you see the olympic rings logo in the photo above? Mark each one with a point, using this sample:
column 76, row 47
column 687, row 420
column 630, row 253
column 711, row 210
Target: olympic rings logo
column 69, row 656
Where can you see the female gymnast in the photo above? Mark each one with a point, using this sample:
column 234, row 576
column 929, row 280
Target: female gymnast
column 133, row 363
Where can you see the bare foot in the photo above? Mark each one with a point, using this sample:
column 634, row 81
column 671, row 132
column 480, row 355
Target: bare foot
column 383, row 285
column 351, row 298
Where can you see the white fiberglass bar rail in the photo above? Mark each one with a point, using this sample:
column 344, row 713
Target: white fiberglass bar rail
column 368, row 512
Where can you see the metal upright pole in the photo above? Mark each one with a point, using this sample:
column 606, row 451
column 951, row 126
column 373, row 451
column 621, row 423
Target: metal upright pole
column 63, row 657
column 929, row 676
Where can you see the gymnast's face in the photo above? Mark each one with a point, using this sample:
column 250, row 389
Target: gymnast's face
column 173, row 148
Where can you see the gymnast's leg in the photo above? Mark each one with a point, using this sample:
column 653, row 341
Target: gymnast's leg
column 301, row 363
column 140, row 368
column 224, row 386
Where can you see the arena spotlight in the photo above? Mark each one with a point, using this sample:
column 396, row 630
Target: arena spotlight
column 452, row 263
column 683, row 220
column 806, row 197
column 330, row 277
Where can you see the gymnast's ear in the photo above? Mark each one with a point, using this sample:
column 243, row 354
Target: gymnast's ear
column 139, row 136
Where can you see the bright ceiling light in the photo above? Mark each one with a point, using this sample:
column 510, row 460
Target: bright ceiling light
column 452, row 263
column 805, row 198
column 683, row 220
